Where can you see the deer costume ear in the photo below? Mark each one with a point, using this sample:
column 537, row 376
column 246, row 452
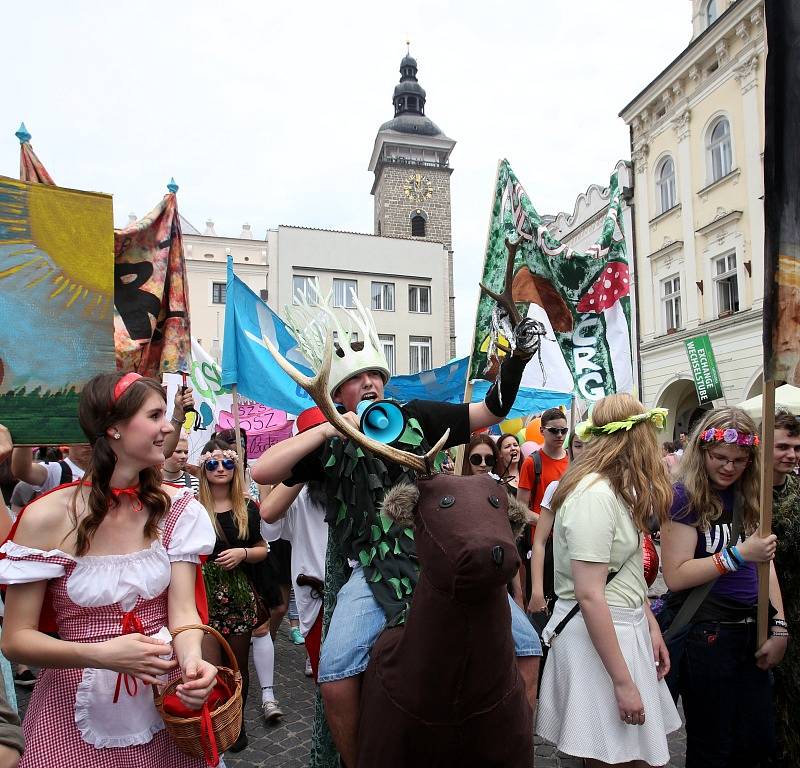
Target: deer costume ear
column 399, row 503
column 518, row 515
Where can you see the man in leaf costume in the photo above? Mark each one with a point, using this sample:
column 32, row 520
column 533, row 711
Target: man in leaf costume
column 372, row 564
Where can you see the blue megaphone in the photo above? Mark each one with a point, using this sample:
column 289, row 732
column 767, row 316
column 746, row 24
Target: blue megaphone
column 382, row 420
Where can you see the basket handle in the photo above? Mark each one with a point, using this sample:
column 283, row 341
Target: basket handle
column 211, row 631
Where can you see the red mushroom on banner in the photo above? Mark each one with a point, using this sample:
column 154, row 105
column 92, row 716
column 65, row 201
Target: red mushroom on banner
column 612, row 284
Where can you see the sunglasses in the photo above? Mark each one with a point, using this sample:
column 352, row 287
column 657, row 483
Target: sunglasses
column 212, row 464
column 477, row 459
column 557, row 430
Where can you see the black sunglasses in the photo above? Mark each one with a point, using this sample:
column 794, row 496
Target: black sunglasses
column 556, row 430
column 212, row 464
column 477, row 459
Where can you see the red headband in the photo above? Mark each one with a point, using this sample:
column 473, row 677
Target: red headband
column 122, row 385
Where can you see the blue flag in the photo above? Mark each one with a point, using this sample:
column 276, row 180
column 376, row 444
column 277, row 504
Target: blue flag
column 246, row 361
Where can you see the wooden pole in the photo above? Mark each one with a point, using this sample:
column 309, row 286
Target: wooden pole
column 765, row 526
column 238, row 432
column 461, row 450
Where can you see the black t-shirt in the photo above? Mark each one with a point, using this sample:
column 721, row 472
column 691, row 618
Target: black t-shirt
column 355, row 484
column 231, row 531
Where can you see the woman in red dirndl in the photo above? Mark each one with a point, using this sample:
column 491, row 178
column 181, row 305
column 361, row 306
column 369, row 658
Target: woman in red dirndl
column 115, row 555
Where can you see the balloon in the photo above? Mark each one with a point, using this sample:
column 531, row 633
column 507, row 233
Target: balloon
column 528, row 448
column 511, row 426
column 520, row 436
column 534, row 431
column 651, row 560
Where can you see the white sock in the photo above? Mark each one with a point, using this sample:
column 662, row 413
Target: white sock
column 264, row 662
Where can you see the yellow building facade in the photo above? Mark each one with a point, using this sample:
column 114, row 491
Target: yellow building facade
column 697, row 135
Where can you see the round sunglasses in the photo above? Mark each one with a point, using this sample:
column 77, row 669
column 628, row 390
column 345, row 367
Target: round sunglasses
column 212, row 464
column 476, row 459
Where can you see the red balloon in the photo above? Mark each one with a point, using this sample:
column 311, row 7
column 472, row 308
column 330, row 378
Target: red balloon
column 651, row 561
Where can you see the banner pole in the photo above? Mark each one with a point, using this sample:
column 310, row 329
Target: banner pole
column 765, row 526
column 238, row 431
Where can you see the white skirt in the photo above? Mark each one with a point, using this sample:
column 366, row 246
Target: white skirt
column 577, row 708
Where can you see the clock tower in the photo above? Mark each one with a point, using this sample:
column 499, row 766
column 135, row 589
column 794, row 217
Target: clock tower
column 411, row 163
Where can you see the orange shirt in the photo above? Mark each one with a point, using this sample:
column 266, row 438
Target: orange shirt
column 552, row 469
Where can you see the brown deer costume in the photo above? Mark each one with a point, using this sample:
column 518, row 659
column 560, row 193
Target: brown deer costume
column 445, row 690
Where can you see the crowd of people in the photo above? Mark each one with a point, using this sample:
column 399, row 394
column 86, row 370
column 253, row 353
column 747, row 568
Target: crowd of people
column 111, row 544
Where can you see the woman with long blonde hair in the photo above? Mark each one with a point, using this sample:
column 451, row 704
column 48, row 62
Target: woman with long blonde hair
column 722, row 675
column 602, row 695
column 228, row 573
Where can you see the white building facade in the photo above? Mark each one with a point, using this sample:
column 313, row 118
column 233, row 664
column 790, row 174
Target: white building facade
column 697, row 144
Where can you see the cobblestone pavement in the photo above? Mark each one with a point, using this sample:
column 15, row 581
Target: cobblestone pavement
column 286, row 744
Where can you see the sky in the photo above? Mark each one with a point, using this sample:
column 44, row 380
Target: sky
column 267, row 112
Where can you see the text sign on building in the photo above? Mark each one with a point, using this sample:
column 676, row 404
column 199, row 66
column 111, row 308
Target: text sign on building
column 704, row 369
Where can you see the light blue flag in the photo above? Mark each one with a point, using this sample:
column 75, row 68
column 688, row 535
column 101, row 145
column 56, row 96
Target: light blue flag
column 247, row 362
column 444, row 384
column 529, row 399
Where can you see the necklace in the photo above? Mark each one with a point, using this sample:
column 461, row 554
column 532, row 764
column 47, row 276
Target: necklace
column 167, row 474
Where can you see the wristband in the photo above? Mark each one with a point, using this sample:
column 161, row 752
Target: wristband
column 779, row 623
column 244, row 549
column 736, row 555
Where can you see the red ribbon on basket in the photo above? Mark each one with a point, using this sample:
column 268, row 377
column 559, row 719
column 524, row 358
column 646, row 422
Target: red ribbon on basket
column 208, row 738
column 130, row 623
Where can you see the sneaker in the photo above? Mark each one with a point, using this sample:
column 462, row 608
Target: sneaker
column 272, row 711
column 297, row 637
column 308, row 672
column 26, row 679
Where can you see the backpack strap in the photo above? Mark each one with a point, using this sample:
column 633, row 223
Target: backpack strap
column 66, row 473
column 537, row 472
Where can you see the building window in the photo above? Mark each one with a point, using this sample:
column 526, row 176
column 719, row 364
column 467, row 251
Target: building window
column 720, row 157
column 727, row 285
column 303, row 287
column 419, row 299
column 218, row 293
column 417, row 226
column 671, row 300
column 344, row 293
column 665, row 184
column 383, row 297
column 711, row 12
column 419, row 354
column 387, row 342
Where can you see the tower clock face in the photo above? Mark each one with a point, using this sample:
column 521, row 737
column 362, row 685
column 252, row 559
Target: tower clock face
column 418, row 188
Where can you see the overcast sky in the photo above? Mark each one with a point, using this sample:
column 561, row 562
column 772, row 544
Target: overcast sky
column 266, row 112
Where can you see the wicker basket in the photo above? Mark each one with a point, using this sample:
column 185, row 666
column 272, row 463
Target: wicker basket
column 226, row 720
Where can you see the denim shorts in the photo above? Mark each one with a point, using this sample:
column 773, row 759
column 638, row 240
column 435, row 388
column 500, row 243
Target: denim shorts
column 358, row 620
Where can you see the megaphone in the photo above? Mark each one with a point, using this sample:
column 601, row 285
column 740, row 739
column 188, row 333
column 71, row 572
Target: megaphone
column 382, row 420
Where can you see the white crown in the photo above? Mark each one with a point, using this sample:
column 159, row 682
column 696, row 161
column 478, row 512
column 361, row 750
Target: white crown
column 310, row 322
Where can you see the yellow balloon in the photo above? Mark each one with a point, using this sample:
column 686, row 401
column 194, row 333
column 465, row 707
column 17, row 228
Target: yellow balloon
column 511, row 426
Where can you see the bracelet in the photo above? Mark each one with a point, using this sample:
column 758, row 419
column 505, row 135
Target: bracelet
column 778, row 634
column 736, row 555
column 717, row 560
column 244, row 549
column 176, row 421
column 730, row 562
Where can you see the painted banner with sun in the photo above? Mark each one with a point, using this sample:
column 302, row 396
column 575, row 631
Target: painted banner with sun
column 56, row 305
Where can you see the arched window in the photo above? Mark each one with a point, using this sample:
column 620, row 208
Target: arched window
column 711, row 12
column 720, row 156
column 417, row 226
column 665, row 184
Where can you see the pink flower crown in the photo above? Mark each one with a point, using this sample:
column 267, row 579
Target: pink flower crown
column 730, row 436
column 225, row 455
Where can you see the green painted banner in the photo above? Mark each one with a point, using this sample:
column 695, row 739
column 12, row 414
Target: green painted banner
column 704, row 369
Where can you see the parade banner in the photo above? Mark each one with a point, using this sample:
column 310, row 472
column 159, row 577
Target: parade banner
column 782, row 194
column 210, row 398
column 704, row 369
column 247, row 362
column 264, row 426
column 56, row 305
column 151, row 322
column 583, row 299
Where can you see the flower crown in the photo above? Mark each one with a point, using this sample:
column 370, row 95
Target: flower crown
column 656, row 416
column 225, row 455
column 730, row 436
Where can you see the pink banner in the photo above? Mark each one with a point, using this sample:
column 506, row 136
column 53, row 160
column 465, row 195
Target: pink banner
column 264, row 426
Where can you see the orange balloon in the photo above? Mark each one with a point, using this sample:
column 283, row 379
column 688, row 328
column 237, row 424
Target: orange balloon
column 533, row 432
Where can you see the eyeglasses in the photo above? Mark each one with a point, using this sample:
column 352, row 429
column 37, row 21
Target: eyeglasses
column 723, row 461
column 476, row 459
column 212, row 464
column 557, row 430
